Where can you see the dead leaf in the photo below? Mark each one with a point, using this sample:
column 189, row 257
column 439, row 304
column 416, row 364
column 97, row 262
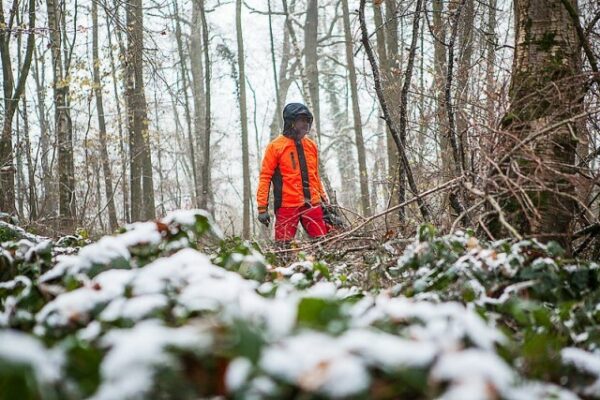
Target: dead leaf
column 472, row 243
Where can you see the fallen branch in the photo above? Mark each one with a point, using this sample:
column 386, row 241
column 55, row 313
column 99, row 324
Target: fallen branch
column 588, row 230
column 336, row 238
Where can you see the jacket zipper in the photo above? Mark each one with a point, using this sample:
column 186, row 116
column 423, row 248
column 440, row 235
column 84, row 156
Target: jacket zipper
column 293, row 160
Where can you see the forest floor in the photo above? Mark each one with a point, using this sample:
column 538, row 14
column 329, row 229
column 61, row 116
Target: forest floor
column 173, row 309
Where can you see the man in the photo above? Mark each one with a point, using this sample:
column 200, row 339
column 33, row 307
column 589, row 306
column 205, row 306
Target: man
column 291, row 162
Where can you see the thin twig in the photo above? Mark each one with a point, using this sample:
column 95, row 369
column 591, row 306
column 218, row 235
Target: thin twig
column 333, row 239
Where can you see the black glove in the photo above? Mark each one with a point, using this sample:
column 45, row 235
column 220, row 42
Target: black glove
column 264, row 218
column 330, row 216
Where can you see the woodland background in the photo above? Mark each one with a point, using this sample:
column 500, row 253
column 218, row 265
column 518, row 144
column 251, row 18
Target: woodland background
column 115, row 112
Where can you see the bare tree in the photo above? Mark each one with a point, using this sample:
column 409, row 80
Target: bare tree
column 205, row 170
column 48, row 204
column 183, row 71
column 311, row 59
column 392, row 125
column 62, row 118
column 198, row 94
column 360, row 144
column 243, row 121
column 122, row 147
column 12, row 94
column 284, row 79
column 108, row 185
column 142, row 190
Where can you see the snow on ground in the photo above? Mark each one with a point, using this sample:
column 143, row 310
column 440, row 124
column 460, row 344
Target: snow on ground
column 110, row 251
column 143, row 316
column 20, row 349
column 586, row 362
column 128, row 368
column 334, row 366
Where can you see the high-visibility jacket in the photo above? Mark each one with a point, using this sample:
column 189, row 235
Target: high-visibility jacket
column 293, row 167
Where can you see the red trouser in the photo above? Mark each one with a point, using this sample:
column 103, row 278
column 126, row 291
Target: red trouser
column 287, row 218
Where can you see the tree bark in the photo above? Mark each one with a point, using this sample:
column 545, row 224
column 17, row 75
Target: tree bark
column 408, row 74
column 142, row 190
column 360, row 144
column 49, row 202
column 284, row 80
column 186, row 104
column 465, row 41
column 391, row 83
column 108, row 186
column 491, row 39
column 440, row 70
column 198, row 80
column 32, row 192
column 311, row 28
column 206, row 175
column 243, row 121
column 546, row 92
column 12, row 94
column 275, row 124
column 343, row 143
column 122, row 151
column 63, row 124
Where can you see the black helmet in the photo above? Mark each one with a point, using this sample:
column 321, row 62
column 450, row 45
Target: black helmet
column 292, row 111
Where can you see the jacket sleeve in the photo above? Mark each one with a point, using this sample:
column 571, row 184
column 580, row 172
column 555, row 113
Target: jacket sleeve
column 269, row 163
column 323, row 193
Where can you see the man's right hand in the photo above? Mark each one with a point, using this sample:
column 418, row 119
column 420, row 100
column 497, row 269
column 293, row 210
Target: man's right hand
column 264, row 218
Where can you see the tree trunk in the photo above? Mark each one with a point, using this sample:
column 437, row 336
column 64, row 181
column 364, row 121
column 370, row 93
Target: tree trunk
column 20, row 178
column 158, row 147
column 48, row 204
column 135, row 146
column 147, row 176
column 63, row 125
column 108, row 186
column 275, row 124
column 206, row 175
column 440, row 68
column 391, row 90
column 384, row 106
column 491, row 39
column 311, row 28
column 465, row 42
column 360, row 144
column 303, row 78
column 546, row 89
column 457, row 199
column 12, row 94
column 32, row 193
column 381, row 29
column 243, row 121
column 122, row 151
column 344, row 146
column 186, row 104
column 142, row 190
column 408, row 74
column 285, row 79
column 198, row 88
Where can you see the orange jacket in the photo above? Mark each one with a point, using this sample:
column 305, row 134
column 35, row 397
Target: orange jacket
column 294, row 170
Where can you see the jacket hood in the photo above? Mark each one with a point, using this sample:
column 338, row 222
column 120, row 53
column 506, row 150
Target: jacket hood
column 290, row 112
